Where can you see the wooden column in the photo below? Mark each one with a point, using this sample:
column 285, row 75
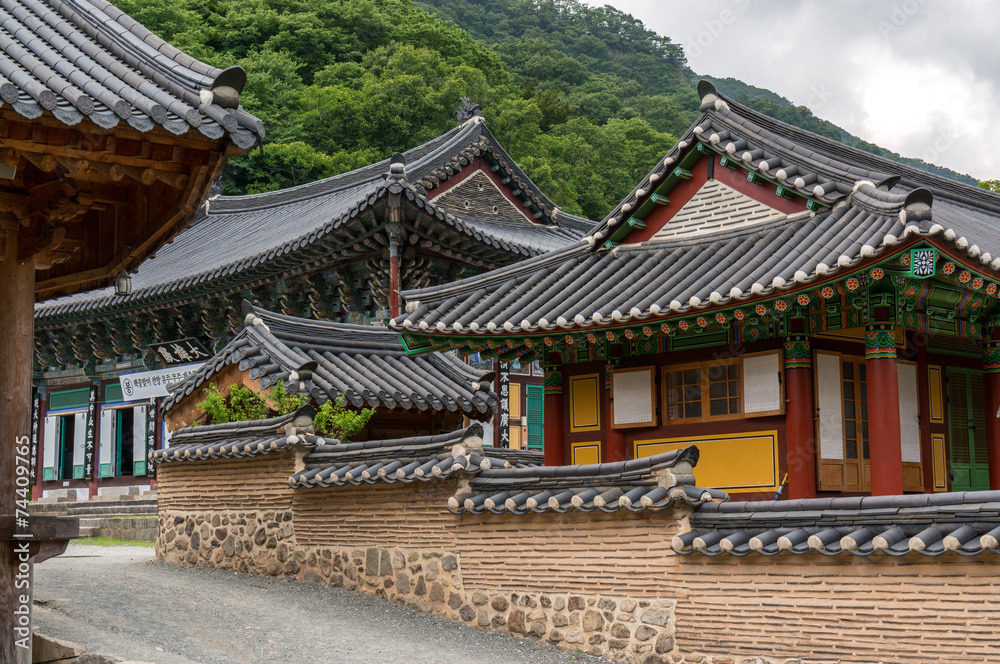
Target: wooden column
column 554, row 438
column 991, row 385
column 883, row 410
column 17, row 293
column 615, row 449
column 394, row 267
column 800, row 432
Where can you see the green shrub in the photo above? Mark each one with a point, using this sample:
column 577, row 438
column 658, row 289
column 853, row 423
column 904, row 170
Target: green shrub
column 337, row 421
column 244, row 403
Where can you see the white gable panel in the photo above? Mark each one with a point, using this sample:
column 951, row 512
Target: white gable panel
column 716, row 207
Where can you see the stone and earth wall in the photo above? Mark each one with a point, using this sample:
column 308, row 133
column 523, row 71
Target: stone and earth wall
column 604, row 584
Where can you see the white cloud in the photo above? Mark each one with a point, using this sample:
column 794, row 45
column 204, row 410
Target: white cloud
column 920, row 77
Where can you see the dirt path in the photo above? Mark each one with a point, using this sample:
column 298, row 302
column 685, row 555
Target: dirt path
column 120, row 601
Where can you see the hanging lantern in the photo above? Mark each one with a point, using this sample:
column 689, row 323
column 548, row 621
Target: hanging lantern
column 123, row 283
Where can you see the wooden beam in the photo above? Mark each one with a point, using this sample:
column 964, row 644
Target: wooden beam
column 46, row 163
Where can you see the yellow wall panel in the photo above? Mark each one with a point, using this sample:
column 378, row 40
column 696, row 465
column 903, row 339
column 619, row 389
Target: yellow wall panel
column 734, row 462
column 515, row 438
column 515, row 401
column 940, row 463
column 584, row 399
column 586, row 453
column 936, row 394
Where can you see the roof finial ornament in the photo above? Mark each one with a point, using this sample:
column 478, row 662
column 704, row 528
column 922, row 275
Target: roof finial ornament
column 468, row 110
column 397, row 167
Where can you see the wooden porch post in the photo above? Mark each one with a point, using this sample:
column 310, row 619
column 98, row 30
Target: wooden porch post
column 17, row 293
column 615, row 439
column 991, row 385
column 800, row 436
column 553, row 439
column 883, row 410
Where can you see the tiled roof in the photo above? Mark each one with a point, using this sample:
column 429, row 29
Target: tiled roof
column 235, row 440
column 652, row 483
column 966, row 523
column 419, row 458
column 366, row 364
column 77, row 59
column 585, row 286
column 240, row 239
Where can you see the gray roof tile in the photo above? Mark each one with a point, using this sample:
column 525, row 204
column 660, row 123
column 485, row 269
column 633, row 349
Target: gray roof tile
column 79, row 58
column 366, row 364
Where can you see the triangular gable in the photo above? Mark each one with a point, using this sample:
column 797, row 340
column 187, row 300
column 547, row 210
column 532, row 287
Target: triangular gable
column 478, row 195
column 716, row 207
column 484, row 189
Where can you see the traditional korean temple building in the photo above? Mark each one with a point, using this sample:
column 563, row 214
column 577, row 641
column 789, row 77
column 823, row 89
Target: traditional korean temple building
column 337, row 249
column 794, row 307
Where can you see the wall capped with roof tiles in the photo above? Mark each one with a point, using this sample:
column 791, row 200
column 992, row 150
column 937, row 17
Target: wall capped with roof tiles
column 605, row 584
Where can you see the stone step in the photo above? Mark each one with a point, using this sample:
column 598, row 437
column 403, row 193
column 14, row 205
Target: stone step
column 140, row 529
column 138, row 507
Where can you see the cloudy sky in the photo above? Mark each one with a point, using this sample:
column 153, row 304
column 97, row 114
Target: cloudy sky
column 920, row 77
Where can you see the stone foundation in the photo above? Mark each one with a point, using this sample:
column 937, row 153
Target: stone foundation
column 623, row 629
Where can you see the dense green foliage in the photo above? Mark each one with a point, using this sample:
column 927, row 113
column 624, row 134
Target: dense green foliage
column 585, row 98
column 242, row 404
column 335, row 420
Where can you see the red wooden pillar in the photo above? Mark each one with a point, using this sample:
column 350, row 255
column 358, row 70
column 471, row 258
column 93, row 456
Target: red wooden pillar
column 394, row 267
column 885, row 451
column 800, row 433
column 553, row 441
column 615, row 447
column 991, row 385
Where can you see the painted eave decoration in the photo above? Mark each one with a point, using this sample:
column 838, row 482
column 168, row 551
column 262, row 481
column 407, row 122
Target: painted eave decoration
column 845, row 227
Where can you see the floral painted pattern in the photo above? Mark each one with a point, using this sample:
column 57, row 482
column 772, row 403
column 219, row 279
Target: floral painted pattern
column 781, row 305
column 803, row 299
column 878, row 273
column 760, row 309
column 647, row 331
column 702, row 321
column 964, row 277
column 720, row 317
column 827, row 292
column 949, row 268
column 683, row 325
column 991, row 289
column 738, row 314
column 977, row 283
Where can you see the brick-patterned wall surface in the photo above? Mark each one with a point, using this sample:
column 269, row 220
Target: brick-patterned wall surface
column 852, row 609
column 379, row 514
column 226, row 483
column 572, row 552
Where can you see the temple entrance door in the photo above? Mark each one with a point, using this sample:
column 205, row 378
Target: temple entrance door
column 967, row 431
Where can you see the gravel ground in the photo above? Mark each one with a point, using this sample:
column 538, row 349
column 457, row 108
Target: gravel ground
column 120, row 601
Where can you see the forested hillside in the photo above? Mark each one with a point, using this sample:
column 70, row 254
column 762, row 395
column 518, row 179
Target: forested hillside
column 586, row 99
column 616, row 49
